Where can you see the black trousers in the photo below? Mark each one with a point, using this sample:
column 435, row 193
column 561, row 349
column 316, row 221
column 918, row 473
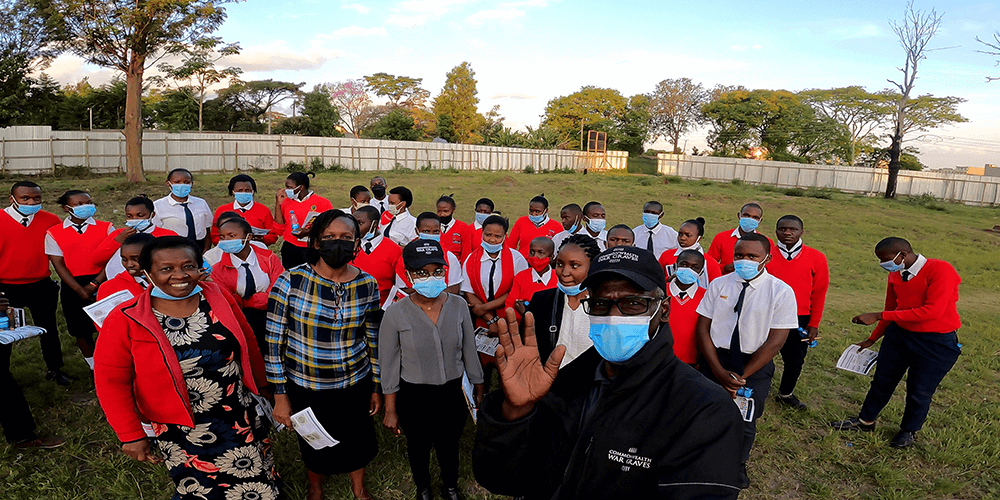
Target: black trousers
column 78, row 324
column 927, row 356
column 257, row 318
column 793, row 355
column 15, row 418
column 292, row 255
column 432, row 416
column 41, row 298
column 760, row 382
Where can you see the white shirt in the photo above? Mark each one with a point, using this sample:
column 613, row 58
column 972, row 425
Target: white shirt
column 52, row 248
column 520, row 264
column 262, row 282
column 664, row 238
column 602, row 238
column 675, row 292
column 784, row 253
column 170, row 215
column 403, row 228
column 574, row 332
column 239, row 208
column 214, row 254
column 18, row 216
column 769, row 303
column 382, row 205
column 560, row 237
column 446, row 227
column 454, row 276
column 915, row 268
column 541, row 278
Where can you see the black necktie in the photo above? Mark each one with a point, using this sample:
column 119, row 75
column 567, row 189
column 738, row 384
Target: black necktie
column 649, row 242
column 682, row 295
column 906, row 275
column 735, row 353
column 79, row 227
column 368, row 247
column 788, row 253
column 493, row 271
column 24, row 222
column 250, row 287
column 189, row 220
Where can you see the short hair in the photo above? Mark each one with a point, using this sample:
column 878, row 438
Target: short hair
column 166, row 243
column 239, row 221
column 540, row 199
column 546, row 242
column 590, row 205
column 447, row 198
column 753, row 205
column 226, row 217
column 496, row 219
column 381, row 179
column 24, row 184
column 64, row 199
column 242, row 178
column 653, row 203
column 759, row 238
column 572, row 208
column 623, row 226
column 790, row 217
column 358, row 189
column 428, row 216
column 585, row 242
column 405, row 195
column 301, row 178
column 696, row 255
column 485, row 201
column 180, row 171
column 893, row 243
column 138, row 239
column 320, row 224
column 698, row 222
column 140, row 200
column 370, row 211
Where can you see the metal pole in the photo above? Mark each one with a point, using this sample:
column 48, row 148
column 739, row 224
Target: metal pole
column 91, row 110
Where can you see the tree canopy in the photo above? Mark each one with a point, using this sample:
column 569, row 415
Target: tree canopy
column 458, row 101
column 675, row 109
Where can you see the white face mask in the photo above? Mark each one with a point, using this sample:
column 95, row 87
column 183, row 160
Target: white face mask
column 394, row 209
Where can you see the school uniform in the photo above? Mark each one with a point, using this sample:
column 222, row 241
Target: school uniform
column 402, row 229
column 527, row 282
column 558, row 239
column 472, row 239
column 709, row 271
column 601, row 238
column 723, row 245
column 191, row 218
column 213, row 255
column 768, row 303
column 109, row 253
column 122, row 281
column 74, row 243
column 453, row 237
column 805, row 270
column 524, row 231
column 378, row 257
column 657, row 240
column 258, row 215
column 250, row 282
column 489, row 278
column 293, row 249
column 453, row 269
column 24, row 278
column 382, row 205
column 919, row 335
column 683, row 318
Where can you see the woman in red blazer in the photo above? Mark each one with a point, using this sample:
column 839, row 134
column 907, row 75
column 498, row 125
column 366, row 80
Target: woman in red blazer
column 180, row 355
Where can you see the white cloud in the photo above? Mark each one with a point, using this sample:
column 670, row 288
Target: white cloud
column 505, row 14
column 404, row 21
column 866, row 31
column 757, row 47
column 361, row 9
column 69, row 69
column 278, row 56
column 353, row 31
column 431, row 6
column 738, row 47
column 512, row 95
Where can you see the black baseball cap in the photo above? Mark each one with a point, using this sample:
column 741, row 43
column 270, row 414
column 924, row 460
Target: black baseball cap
column 418, row 253
column 635, row 264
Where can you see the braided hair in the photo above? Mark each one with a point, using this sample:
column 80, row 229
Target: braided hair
column 585, row 242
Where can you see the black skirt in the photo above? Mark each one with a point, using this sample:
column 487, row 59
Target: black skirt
column 78, row 324
column 344, row 415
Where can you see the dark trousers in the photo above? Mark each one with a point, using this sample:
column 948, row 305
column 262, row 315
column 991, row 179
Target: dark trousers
column 257, row 318
column 760, row 382
column 793, row 355
column 292, row 256
column 78, row 324
column 15, row 418
column 432, row 416
column 927, row 356
column 41, row 298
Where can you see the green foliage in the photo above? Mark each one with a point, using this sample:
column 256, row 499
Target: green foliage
column 821, row 193
column 927, row 201
column 529, row 169
column 73, row 172
column 316, row 165
column 458, row 100
column 294, row 166
column 646, row 181
column 398, row 168
column 540, row 138
column 736, row 182
column 395, row 126
column 626, row 121
column 198, row 68
column 641, row 165
column 427, row 168
column 400, row 90
column 863, row 113
column 675, row 109
column 174, row 110
column 446, row 128
column 319, row 118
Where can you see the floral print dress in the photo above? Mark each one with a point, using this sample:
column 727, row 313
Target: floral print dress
column 227, row 454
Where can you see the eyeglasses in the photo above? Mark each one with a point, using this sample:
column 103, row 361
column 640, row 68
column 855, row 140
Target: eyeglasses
column 422, row 274
column 629, row 306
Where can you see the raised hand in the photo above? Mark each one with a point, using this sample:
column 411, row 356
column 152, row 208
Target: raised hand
column 525, row 380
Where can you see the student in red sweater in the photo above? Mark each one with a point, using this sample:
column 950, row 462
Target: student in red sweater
column 685, row 295
column 429, row 228
column 723, row 244
column 24, row 270
column 689, row 236
column 70, row 249
column 489, row 273
column 452, row 230
column 538, row 277
column 474, row 232
column 919, row 325
column 292, row 206
column 243, row 188
column 131, row 278
column 140, row 218
column 536, row 224
column 377, row 254
column 805, row 270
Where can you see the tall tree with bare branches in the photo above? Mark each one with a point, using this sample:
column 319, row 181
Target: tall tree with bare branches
column 993, row 50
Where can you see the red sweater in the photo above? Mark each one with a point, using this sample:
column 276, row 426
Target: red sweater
column 381, row 264
column 722, row 247
column 225, row 274
column 103, row 253
column 136, row 368
column 927, row 303
column 22, row 249
column 314, row 203
column 123, row 281
column 452, row 240
column 78, row 249
column 809, row 277
column 524, row 231
column 525, row 286
column 259, row 216
column 472, row 240
column 683, row 317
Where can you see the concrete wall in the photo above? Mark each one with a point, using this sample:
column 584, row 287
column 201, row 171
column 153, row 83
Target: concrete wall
column 32, row 150
column 968, row 189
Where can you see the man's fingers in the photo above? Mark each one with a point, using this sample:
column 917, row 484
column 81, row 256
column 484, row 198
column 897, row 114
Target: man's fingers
column 555, row 359
column 529, row 330
column 512, row 328
column 506, row 343
column 500, row 357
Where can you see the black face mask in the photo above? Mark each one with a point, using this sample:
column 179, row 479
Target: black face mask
column 445, row 220
column 336, row 253
column 378, row 191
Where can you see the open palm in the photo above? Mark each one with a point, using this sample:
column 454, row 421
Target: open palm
column 525, row 380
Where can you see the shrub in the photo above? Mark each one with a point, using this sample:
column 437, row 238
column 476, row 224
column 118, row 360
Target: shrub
column 529, row 169
column 77, row 171
column 672, row 179
column 926, row 200
column 426, row 168
column 295, row 167
column 646, row 181
column 316, row 165
column 820, row 193
column 794, row 192
column 736, row 182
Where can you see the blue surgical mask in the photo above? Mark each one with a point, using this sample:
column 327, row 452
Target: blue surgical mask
column 597, row 225
column 686, row 275
column 139, row 224
column 28, row 209
column 650, row 220
column 618, row 338
column 490, row 248
column 481, row 217
column 243, row 198
column 160, row 294
column 575, row 227
column 180, row 190
column 746, row 269
column 232, row 246
column 370, row 235
column 291, row 193
column 429, row 287
column 536, row 219
column 891, row 265
column 748, row 225
column 84, row 211
column 572, row 291
column 429, row 236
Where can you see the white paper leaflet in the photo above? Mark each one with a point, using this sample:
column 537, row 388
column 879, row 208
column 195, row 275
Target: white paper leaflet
column 857, row 362
column 470, row 398
column 311, row 430
column 102, row 308
column 486, row 344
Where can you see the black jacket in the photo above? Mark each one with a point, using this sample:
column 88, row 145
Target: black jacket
column 660, row 430
column 547, row 307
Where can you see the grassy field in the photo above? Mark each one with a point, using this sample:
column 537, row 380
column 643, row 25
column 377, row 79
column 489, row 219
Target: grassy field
column 796, row 456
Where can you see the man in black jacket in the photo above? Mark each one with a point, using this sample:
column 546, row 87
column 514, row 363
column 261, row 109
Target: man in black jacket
column 640, row 424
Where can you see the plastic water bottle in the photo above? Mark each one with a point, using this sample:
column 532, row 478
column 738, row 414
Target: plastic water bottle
column 294, row 220
column 745, row 403
column 4, row 322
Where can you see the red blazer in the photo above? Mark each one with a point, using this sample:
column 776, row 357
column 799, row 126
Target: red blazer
column 225, row 275
column 136, row 368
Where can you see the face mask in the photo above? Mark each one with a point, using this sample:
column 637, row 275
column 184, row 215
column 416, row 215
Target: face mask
column 597, row 225
column 618, row 338
column 481, row 217
column 686, row 276
column 490, row 248
column 243, row 198
column 429, row 287
column 650, row 220
column 575, row 227
column 748, row 225
column 572, row 291
column 291, row 193
column 139, row 224
column 445, row 220
column 359, row 205
column 370, row 235
column 536, row 219
column 336, row 253
column 692, row 245
column 180, row 190
column 160, row 294
column 232, row 246
column 84, row 211
column 28, row 209
column 378, row 191
column 891, row 266
column 428, row 236
column 539, row 264
column 746, row 269
column 394, row 209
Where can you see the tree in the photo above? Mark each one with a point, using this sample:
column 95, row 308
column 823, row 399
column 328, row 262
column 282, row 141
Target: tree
column 402, row 91
column 445, row 128
column 397, row 125
column 459, row 100
column 319, row 117
column 863, row 113
column 994, row 50
column 589, row 107
column 25, row 45
column 675, row 109
column 129, row 36
column 352, row 99
column 198, row 68
column 260, row 96
column 175, row 110
column 915, row 32
column 632, row 129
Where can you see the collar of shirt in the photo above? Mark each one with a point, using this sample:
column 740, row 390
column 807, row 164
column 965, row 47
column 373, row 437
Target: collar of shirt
column 446, row 227
column 790, row 254
column 172, row 201
column 141, row 280
column 67, row 222
column 18, row 216
column 545, row 220
column 251, row 259
column 374, row 243
column 486, row 257
column 239, row 208
column 736, row 233
column 756, row 282
column 541, row 278
column 916, row 267
column 477, row 225
column 676, row 291
column 310, row 193
column 696, row 246
column 655, row 230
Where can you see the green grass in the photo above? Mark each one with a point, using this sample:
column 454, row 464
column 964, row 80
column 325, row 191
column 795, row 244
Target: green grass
column 796, row 456
column 641, row 165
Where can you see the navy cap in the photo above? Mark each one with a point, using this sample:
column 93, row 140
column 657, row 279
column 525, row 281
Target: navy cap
column 633, row 263
column 418, row 253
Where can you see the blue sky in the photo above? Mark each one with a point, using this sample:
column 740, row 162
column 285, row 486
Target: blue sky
column 527, row 52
